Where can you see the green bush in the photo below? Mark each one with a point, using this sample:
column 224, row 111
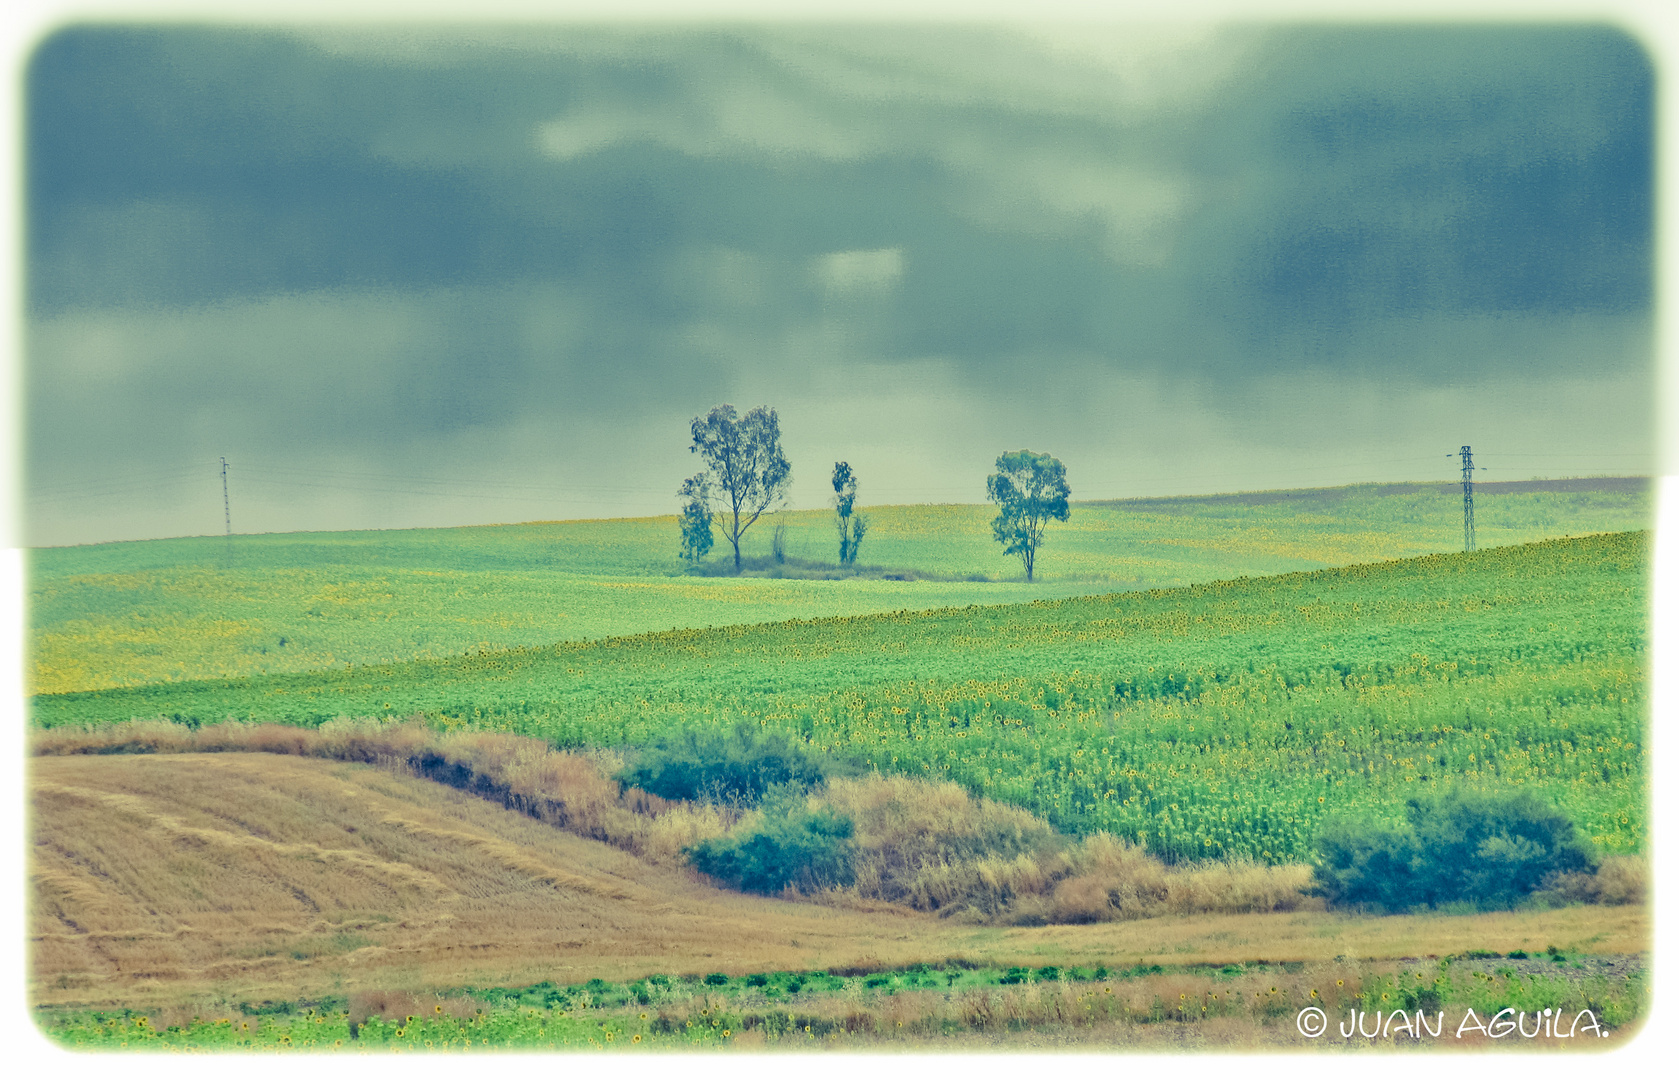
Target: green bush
column 790, row 845
column 1490, row 851
column 736, row 767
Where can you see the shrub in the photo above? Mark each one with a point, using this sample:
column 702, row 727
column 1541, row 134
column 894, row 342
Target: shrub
column 1367, row 864
column 1620, row 879
column 1487, row 850
column 738, row 767
column 789, row 844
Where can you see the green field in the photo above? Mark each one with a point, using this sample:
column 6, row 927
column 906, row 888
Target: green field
column 129, row 614
column 1219, row 719
column 922, row 1007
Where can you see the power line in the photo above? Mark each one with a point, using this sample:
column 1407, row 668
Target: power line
column 116, row 493
column 323, row 478
column 100, row 483
column 1289, row 470
column 435, row 493
column 1568, row 454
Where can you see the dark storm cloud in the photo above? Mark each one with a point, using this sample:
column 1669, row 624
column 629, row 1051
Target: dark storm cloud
column 1355, row 173
column 1461, row 171
column 175, row 167
column 410, row 247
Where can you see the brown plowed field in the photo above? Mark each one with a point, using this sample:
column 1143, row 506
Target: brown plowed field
column 258, row 876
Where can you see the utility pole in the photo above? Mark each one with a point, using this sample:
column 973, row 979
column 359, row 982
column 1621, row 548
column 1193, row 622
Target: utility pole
column 1468, row 500
column 227, row 513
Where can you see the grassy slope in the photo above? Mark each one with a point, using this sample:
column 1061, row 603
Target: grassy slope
column 242, row 877
column 116, row 615
column 1219, row 719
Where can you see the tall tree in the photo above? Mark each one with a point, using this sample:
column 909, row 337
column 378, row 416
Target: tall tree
column 1030, row 491
column 851, row 524
column 746, row 473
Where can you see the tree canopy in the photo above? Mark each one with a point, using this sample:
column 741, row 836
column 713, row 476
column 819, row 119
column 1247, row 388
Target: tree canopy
column 1030, row 491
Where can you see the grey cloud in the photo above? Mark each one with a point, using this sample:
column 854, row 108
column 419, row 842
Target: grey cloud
column 492, row 252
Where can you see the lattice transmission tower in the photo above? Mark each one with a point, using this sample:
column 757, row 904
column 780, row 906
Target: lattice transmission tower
column 1468, row 500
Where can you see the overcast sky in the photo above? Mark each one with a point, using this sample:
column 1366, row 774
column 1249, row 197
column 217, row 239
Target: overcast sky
column 434, row 277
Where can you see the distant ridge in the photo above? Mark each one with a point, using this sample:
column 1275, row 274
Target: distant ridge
column 1631, row 484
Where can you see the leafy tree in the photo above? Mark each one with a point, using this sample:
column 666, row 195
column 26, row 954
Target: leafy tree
column 746, row 472
column 695, row 494
column 1488, row 850
column 1030, row 491
column 851, row 524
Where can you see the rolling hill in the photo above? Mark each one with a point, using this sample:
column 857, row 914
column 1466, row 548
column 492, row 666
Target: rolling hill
column 129, row 614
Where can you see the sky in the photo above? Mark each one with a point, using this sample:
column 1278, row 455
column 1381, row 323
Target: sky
column 437, row 276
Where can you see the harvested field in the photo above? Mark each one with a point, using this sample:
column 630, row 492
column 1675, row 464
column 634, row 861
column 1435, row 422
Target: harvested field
column 252, row 877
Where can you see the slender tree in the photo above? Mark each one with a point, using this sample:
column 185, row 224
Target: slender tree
column 695, row 494
column 778, row 543
column 851, row 525
column 1030, row 491
column 746, row 473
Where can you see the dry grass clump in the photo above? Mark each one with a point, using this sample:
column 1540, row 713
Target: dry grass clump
column 132, row 737
column 1113, row 879
column 367, row 741
column 1620, row 879
column 933, row 847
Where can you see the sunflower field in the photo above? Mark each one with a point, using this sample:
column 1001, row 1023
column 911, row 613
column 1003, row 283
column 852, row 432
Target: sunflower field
column 1224, row 719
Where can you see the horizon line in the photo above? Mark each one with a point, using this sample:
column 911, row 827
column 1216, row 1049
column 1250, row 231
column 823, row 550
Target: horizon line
column 869, row 506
